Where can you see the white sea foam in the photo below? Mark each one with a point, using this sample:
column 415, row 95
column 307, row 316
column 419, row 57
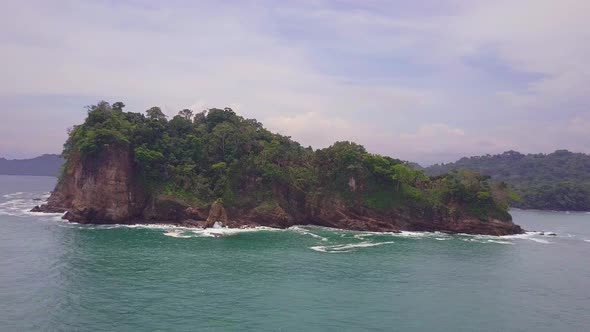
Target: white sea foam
column 176, row 234
column 485, row 241
column 586, row 240
column 531, row 236
column 301, row 230
column 176, row 231
column 413, row 234
column 189, row 232
column 499, row 242
column 362, row 236
column 438, row 236
column 416, row 235
column 19, row 204
column 507, row 239
column 18, row 207
column 322, row 249
column 225, row 231
column 539, row 240
column 347, row 247
column 17, row 194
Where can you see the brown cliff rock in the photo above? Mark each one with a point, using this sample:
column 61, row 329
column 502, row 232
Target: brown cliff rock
column 100, row 189
column 217, row 213
column 272, row 216
column 195, row 213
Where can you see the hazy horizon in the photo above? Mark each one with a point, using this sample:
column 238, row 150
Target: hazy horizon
column 428, row 83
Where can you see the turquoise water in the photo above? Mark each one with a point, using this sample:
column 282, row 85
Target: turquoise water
column 56, row 276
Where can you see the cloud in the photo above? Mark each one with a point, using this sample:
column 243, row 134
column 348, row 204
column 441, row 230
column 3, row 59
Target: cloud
column 313, row 128
column 418, row 81
column 434, row 130
column 536, row 36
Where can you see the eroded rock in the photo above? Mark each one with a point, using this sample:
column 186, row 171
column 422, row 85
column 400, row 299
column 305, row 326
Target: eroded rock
column 218, row 214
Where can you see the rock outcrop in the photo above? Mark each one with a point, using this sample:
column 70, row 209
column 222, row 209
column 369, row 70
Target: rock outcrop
column 217, row 214
column 99, row 190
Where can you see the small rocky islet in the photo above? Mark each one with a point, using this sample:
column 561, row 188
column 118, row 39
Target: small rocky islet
column 216, row 166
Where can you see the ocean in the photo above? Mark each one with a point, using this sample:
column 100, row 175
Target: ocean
column 58, row 276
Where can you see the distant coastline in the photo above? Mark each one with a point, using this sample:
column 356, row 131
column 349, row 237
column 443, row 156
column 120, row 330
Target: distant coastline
column 557, row 181
column 44, row 165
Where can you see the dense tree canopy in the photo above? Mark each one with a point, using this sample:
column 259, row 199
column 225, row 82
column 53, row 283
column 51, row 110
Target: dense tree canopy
column 555, row 181
column 218, row 155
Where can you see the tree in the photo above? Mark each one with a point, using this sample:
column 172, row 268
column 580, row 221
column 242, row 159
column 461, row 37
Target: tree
column 186, row 114
column 100, row 106
column 200, row 117
column 149, row 160
column 118, row 106
column 222, row 132
column 155, row 113
column 403, row 175
column 216, row 116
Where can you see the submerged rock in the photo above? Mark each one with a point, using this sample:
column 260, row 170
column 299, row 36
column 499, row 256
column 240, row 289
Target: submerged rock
column 193, row 223
column 48, row 209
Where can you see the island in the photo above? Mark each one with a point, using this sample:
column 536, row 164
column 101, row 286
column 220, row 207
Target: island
column 216, row 167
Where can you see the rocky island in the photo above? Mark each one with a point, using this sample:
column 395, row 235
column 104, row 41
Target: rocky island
column 216, row 166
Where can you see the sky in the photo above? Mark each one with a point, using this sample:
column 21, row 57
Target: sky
column 426, row 81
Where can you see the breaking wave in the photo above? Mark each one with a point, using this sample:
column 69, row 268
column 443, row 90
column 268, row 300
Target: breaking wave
column 347, row 247
column 19, row 204
column 301, row 230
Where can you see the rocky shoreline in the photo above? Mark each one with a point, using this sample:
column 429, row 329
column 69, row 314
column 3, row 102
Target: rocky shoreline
column 217, row 214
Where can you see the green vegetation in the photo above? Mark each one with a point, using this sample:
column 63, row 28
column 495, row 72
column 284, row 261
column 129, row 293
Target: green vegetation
column 555, row 181
column 218, row 155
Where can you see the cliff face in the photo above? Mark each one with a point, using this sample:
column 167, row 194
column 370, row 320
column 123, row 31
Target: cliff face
column 106, row 189
column 99, row 189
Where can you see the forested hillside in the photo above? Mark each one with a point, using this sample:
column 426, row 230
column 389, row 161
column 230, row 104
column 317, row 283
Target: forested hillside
column 46, row 165
column 554, row 181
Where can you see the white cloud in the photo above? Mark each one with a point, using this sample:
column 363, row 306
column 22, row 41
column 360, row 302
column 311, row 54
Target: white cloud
column 430, row 103
column 538, row 36
column 313, row 128
column 435, row 130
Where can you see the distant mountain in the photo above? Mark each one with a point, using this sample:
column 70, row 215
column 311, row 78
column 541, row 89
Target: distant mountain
column 45, row 165
column 554, row 181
